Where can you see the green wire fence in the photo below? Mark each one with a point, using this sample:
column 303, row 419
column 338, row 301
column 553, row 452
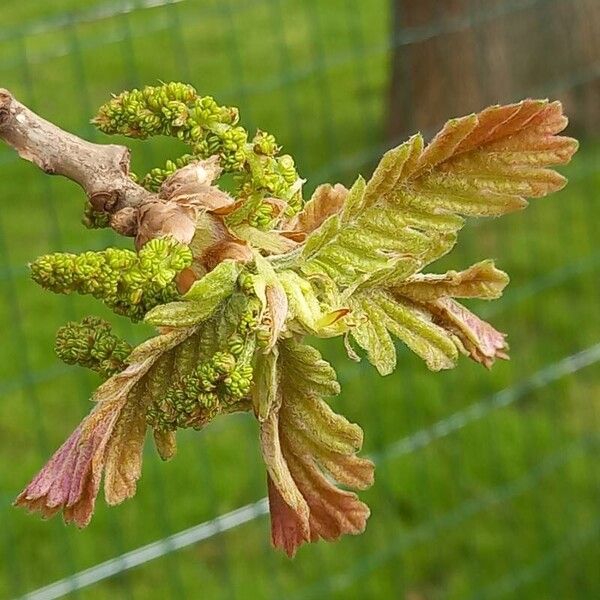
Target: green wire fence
column 487, row 483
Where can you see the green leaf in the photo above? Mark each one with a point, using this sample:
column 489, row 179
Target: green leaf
column 270, row 241
column 372, row 335
column 201, row 301
column 483, row 164
column 383, row 313
column 306, row 310
column 303, row 303
column 306, row 371
column 217, row 283
column 371, row 238
column 325, row 233
column 481, row 280
column 177, row 314
column 389, row 171
column 355, row 200
column 301, row 441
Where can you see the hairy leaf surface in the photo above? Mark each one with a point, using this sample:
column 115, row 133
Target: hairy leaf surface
column 484, row 164
column 300, row 441
column 201, row 300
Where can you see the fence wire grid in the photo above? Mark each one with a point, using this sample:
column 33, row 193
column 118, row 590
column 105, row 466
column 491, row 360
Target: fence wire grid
column 487, row 483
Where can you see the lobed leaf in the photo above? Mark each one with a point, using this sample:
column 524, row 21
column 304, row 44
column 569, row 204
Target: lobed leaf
column 123, row 459
column 265, row 391
column 423, row 315
column 482, row 280
column 384, row 313
column 483, row 164
column 370, row 242
column 107, row 440
column 299, row 440
column 475, row 337
column 327, row 200
column 489, row 163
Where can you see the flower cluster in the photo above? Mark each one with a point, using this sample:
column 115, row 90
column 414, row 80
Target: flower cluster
column 93, row 219
column 129, row 283
column 176, row 109
column 213, row 386
column 92, row 344
column 220, row 379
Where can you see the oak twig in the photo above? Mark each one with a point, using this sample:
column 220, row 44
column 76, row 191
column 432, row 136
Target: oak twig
column 102, row 170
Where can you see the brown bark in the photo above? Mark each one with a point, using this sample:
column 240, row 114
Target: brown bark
column 102, row 170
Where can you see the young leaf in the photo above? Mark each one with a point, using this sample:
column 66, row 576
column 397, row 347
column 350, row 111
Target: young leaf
column 327, row 200
column 271, row 293
column 218, row 282
column 307, row 313
column 71, row 479
column 488, row 164
column 299, row 439
column 265, row 392
column 414, row 326
column 482, row 280
column 123, row 459
column 483, row 164
column 201, row 300
column 477, row 339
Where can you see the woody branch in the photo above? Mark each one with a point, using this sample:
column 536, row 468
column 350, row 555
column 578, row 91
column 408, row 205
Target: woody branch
column 102, row 170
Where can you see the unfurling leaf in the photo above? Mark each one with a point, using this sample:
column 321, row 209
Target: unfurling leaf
column 123, row 459
column 383, row 313
column 265, row 393
column 479, row 165
column 478, row 339
column 327, row 200
column 306, row 313
column 201, row 301
column 71, row 479
column 302, row 439
column 271, row 293
column 482, row 280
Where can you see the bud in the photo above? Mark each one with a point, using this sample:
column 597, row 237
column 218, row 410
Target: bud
column 159, row 219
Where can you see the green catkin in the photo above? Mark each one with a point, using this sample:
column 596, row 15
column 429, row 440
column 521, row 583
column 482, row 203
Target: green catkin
column 215, row 383
column 153, row 179
column 250, row 318
column 238, row 383
column 127, row 282
column 199, row 396
column 93, row 219
column 176, row 109
column 236, row 344
column 91, row 343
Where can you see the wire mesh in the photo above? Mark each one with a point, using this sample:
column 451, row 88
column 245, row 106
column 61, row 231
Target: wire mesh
column 493, row 498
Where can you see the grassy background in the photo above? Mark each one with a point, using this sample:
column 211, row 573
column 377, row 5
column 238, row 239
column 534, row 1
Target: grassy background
column 505, row 507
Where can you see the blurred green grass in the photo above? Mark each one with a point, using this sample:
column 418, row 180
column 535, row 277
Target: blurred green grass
column 451, row 520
